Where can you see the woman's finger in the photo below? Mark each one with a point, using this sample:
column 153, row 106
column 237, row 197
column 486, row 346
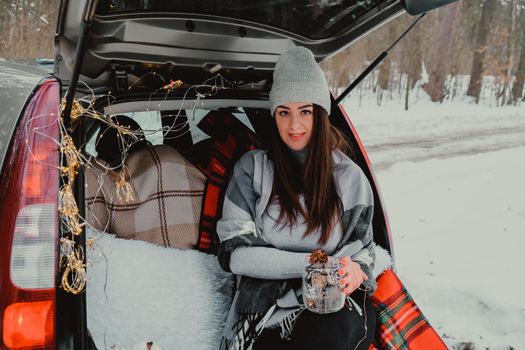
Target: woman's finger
column 348, row 290
column 345, row 261
column 351, row 275
column 352, row 280
column 350, row 283
column 365, row 277
column 358, row 279
column 343, row 271
column 346, row 281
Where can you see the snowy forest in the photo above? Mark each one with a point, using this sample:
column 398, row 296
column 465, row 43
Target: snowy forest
column 474, row 48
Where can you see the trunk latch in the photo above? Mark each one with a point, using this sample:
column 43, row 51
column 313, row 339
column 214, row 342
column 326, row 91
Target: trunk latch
column 121, row 80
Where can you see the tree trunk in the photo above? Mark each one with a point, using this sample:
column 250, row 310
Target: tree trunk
column 474, row 87
column 517, row 88
column 435, row 86
column 407, row 92
column 388, row 35
column 413, row 59
column 384, row 74
column 510, row 52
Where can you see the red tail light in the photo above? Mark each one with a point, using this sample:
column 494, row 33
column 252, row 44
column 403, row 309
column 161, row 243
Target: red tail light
column 29, row 225
column 29, row 324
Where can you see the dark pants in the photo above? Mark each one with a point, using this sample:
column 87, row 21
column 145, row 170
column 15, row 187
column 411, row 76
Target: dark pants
column 341, row 330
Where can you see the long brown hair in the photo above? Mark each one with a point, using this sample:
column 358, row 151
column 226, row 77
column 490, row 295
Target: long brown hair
column 314, row 178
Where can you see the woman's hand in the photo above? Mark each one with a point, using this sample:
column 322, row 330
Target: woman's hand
column 351, row 275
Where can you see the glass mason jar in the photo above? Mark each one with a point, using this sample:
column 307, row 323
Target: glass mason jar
column 321, row 291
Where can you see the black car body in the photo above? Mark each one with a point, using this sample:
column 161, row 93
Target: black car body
column 113, row 46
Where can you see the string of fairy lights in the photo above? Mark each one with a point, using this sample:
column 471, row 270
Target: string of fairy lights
column 72, row 160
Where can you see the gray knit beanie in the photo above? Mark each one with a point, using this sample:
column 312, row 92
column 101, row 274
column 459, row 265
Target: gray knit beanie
column 298, row 78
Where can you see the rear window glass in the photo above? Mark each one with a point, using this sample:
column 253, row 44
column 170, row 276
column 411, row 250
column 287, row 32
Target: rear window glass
column 158, row 132
column 312, row 19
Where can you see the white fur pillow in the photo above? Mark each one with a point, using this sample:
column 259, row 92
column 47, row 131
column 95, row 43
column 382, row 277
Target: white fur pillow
column 140, row 292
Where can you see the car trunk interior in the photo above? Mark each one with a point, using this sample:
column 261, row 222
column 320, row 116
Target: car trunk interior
column 179, row 118
column 167, row 117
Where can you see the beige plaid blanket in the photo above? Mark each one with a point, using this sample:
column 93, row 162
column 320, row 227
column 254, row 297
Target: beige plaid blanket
column 167, row 191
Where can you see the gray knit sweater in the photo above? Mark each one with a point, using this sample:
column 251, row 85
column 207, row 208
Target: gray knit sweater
column 247, row 212
column 288, row 258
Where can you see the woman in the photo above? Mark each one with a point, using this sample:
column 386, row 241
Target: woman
column 280, row 205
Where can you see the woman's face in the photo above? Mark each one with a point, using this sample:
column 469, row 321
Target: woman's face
column 295, row 122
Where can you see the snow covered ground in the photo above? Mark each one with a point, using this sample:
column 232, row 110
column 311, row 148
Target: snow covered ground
column 453, row 179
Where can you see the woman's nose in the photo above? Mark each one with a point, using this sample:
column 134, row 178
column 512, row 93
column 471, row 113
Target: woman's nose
column 294, row 120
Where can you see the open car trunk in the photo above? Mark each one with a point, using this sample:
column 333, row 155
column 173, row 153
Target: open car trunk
column 202, row 132
column 156, row 62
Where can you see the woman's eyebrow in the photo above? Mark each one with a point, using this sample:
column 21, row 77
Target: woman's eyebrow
column 281, row 106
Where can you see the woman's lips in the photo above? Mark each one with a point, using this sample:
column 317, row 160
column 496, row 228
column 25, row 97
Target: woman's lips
column 296, row 137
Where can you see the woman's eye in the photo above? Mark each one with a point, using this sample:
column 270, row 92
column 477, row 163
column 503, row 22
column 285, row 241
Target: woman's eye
column 306, row 111
column 283, row 113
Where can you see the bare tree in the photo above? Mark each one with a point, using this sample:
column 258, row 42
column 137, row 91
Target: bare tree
column 487, row 12
column 389, row 34
column 510, row 51
column 517, row 88
column 384, row 74
column 412, row 62
column 435, row 86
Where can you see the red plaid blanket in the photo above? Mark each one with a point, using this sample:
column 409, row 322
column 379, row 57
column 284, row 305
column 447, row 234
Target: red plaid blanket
column 401, row 323
column 231, row 139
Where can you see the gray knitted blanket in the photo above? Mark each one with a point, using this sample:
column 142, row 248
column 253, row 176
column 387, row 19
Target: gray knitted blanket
column 246, row 198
